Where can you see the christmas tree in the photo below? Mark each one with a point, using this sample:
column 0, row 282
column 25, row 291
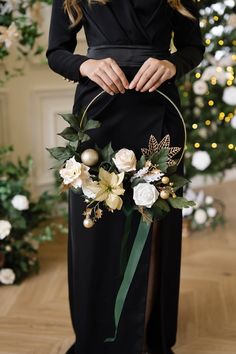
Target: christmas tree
column 208, row 96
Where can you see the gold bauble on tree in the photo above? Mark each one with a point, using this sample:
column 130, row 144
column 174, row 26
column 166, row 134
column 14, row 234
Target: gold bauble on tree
column 89, row 157
column 164, row 194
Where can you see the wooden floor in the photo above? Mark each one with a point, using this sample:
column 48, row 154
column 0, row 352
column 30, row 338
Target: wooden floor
column 34, row 317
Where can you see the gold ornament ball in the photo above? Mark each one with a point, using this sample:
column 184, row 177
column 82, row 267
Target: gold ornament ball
column 88, row 223
column 89, row 157
column 165, row 180
column 164, row 194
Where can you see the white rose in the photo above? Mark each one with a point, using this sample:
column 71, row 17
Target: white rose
column 201, row 160
column 74, row 173
column 211, row 212
column 229, row 95
column 125, row 160
column 233, row 122
column 200, row 216
column 145, row 194
column 20, row 202
column 209, row 199
column 7, row 276
column 200, row 87
column 5, row 229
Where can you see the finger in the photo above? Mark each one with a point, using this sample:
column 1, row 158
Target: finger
column 154, row 79
column 116, row 83
column 147, row 75
column 120, row 74
column 102, row 84
column 140, row 72
column 159, row 82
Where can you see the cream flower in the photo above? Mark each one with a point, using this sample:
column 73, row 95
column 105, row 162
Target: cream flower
column 125, row 160
column 5, row 229
column 7, row 276
column 108, row 188
column 74, row 173
column 20, row 202
column 149, row 173
column 145, row 194
column 8, row 34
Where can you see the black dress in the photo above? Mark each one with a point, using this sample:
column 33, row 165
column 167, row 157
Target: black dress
column 130, row 31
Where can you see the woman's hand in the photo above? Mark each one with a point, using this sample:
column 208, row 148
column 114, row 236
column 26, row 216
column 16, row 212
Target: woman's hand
column 152, row 74
column 106, row 73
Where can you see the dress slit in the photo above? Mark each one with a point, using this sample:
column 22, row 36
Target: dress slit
column 152, row 284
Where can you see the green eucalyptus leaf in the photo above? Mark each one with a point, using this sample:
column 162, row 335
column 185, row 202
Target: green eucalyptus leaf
column 107, row 152
column 92, row 124
column 69, row 133
column 160, row 158
column 83, row 136
column 141, row 162
column 179, row 181
column 180, row 202
column 162, row 204
column 60, row 153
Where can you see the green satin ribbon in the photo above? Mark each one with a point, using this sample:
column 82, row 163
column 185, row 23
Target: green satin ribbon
column 124, row 243
column 135, row 254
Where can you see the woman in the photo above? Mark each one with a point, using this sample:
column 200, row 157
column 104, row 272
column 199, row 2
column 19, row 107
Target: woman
column 128, row 53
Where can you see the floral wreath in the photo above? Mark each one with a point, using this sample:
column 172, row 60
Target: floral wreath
column 117, row 180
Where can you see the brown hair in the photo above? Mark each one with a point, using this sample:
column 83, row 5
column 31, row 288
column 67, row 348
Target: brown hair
column 75, row 13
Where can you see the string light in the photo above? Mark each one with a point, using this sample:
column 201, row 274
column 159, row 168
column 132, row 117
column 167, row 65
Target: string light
column 213, row 80
column 194, row 126
column 214, row 146
column 198, row 75
column 208, row 41
column 207, row 122
column 216, row 18
column 211, row 103
column 221, row 115
column 221, row 42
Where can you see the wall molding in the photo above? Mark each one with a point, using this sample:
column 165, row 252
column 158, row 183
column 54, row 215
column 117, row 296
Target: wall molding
column 46, row 104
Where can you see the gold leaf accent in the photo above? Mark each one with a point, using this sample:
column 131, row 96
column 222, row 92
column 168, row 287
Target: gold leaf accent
column 154, row 146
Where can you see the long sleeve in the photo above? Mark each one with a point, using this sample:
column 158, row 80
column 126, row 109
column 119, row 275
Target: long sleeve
column 187, row 40
column 62, row 43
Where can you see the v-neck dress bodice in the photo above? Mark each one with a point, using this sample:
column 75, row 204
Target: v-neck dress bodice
column 145, row 9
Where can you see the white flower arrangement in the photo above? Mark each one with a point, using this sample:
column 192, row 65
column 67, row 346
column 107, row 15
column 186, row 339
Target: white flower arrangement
column 118, row 180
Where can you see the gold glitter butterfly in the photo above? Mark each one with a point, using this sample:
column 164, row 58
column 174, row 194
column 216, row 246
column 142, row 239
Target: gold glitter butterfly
column 154, row 146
